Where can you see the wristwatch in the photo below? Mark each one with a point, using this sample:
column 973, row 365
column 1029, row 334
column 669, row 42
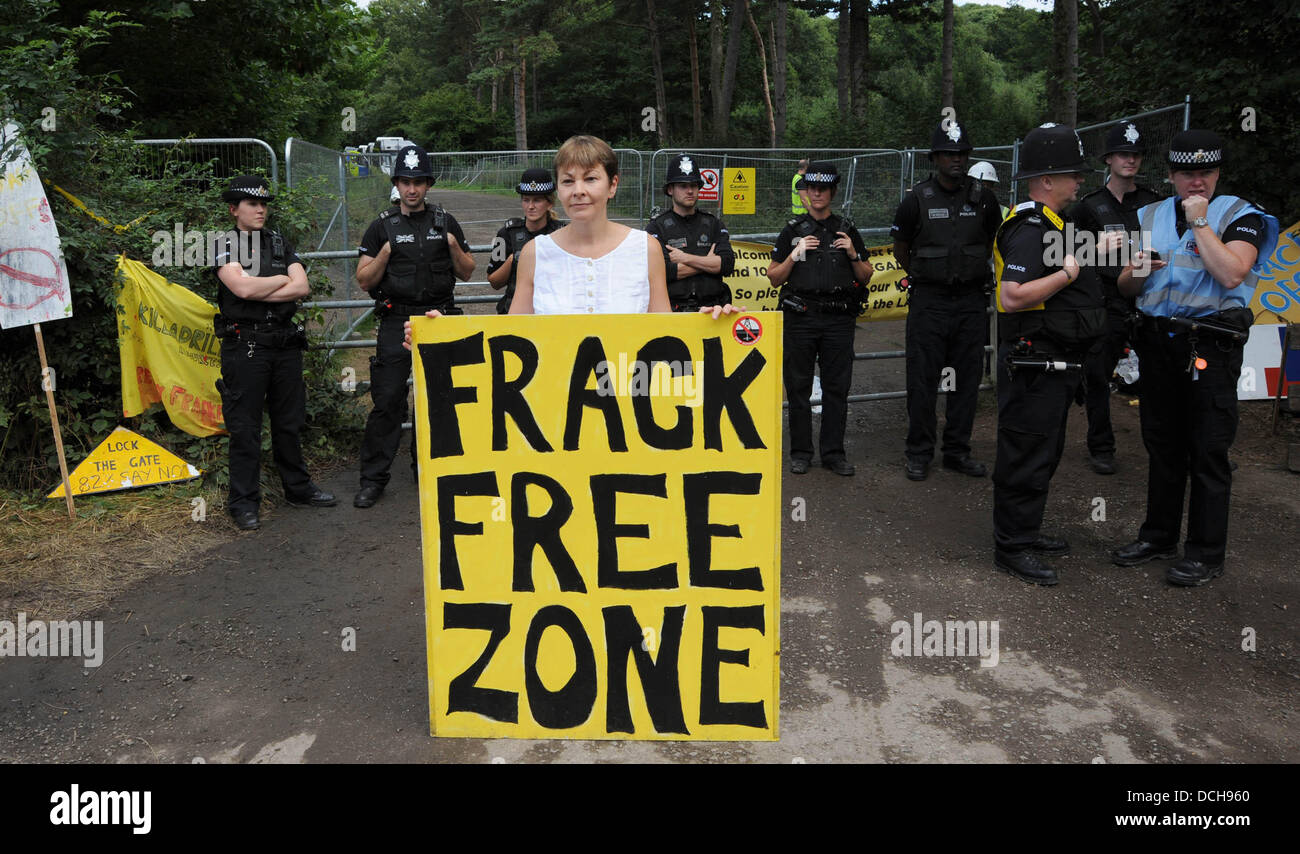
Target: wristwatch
column 1199, row 222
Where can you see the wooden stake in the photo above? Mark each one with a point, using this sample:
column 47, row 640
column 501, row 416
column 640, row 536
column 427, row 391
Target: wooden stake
column 54, row 421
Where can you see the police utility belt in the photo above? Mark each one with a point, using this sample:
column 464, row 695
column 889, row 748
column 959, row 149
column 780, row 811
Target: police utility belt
column 842, row 302
column 1226, row 328
column 286, row 335
column 385, row 307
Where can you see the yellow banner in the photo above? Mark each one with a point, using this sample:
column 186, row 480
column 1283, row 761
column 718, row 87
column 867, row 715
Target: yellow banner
column 168, row 351
column 600, row 507
column 751, row 289
column 1278, row 291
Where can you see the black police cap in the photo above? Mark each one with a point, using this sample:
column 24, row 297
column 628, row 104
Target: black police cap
column 682, row 169
column 1195, row 149
column 412, row 162
column 1123, row 137
column 951, row 138
column 535, row 182
column 247, row 187
column 821, row 172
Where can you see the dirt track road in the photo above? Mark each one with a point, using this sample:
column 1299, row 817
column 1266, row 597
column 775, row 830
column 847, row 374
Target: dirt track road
column 241, row 660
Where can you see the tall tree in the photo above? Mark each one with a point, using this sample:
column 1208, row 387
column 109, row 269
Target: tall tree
column 762, row 59
column 697, row 111
column 722, row 107
column 717, row 53
column 859, row 56
column 657, row 62
column 1063, row 81
column 842, row 90
column 780, row 29
column 946, row 85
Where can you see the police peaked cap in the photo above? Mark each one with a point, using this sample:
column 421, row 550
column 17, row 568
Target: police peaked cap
column 682, row 169
column 535, row 182
column 1123, row 137
column 412, row 162
column 247, row 187
column 1051, row 149
column 949, row 139
column 821, row 172
column 1196, row 149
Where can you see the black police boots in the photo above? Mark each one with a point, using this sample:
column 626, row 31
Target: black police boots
column 1193, row 573
column 916, row 469
column 1140, row 551
column 316, row 498
column 966, row 466
column 367, row 496
column 246, row 520
column 1026, row 566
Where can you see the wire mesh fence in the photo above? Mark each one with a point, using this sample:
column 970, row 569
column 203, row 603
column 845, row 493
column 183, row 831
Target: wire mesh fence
column 228, row 156
column 1155, row 130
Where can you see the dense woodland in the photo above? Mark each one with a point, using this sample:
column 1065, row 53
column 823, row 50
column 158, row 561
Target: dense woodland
column 83, row 77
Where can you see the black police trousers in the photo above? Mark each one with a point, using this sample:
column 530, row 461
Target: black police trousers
column 1097, row 370
column 271, row 376
column 814, row 339
column 389, row 369
column 944, row 329
column 1033, row 406
column 1188, row 425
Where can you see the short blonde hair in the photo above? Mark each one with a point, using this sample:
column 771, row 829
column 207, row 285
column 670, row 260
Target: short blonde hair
column 586, row 152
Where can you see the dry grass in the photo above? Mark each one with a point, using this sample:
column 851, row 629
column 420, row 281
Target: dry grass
column 54, row 567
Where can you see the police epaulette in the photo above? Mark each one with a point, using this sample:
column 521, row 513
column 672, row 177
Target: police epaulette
column 389, row 212
column 847, row 224
column 514, row 223
column 796, row 219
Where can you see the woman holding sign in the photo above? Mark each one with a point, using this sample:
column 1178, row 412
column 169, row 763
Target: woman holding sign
column 592, row 265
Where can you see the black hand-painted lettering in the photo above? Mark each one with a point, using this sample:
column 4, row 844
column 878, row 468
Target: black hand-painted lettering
column 590, row 354
column 696, row 490
column 604, row 498
column 442, row 397
column 572, row 704
column 674, row 352
column 659, row 675
column 450, row 487
column 723, row 391
column 463, row 692
column 544, row 531
column 712, row 709
column 508, row 398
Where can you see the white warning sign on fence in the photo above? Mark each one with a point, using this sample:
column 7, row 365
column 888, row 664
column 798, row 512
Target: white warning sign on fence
column 33, row 278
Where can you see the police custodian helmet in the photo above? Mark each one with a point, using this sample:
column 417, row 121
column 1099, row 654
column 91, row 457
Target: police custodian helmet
column 949, row 139
column 1195, row 149
column 1051, row 149
column 1123, row 137
column 412, row 162
column 247, row 187
column 682, row 169
column 535, row 182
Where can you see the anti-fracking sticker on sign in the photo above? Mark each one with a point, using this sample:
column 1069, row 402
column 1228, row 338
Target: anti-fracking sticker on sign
column 600, row 513
column 33, row 278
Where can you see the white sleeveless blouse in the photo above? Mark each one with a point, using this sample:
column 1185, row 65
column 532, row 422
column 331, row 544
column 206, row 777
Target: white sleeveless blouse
column 615, row 283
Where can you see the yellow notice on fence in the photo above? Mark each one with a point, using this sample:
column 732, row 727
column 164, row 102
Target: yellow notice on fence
column 600, row 505
column 884, row 299
column 126, row 460
column 738, row 191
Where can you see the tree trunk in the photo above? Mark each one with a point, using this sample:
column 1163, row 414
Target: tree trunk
column 734, row 28
column 1062, row 84
column 697, row 107
column 859, row 44
column 762, row 64
column 520, row 76
column 657, row 63
column 1098, row 37
column 779, row 31
column 716, row 53
column 946, row 85
column 842, row 59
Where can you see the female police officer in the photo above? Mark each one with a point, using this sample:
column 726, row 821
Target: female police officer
column 1195, row 304
column 537, row 197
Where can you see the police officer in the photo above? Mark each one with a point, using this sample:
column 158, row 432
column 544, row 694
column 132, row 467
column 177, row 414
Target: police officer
column 820, row 263
column 411, row 256
column 1050, row 313
column 536, row 192
column 697, row 247
column 943, row 234
column 259, row 283
column 1110, row 212
column 1211, row 251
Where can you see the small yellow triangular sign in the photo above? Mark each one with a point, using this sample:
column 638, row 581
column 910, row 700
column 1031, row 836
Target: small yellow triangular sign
column 126, row 460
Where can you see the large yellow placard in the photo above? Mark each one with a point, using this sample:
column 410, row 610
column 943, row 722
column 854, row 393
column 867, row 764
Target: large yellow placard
column 601, row 517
